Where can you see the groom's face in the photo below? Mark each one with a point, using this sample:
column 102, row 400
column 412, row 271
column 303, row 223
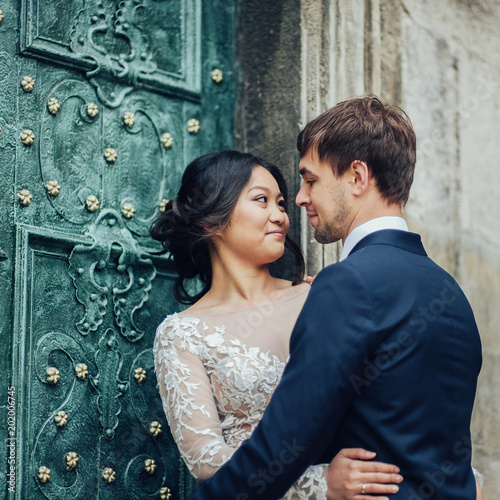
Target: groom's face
column 325, row 198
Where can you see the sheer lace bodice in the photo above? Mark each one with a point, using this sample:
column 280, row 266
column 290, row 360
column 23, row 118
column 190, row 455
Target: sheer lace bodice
column 216, row 375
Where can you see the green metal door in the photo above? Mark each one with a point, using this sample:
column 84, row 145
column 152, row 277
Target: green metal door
column 103, row 103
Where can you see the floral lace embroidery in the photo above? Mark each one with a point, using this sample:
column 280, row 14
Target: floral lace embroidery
column 214, row 391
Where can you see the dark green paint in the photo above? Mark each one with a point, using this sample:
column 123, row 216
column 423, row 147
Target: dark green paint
column 80, row 286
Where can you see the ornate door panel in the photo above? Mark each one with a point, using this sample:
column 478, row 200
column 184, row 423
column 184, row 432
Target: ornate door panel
column 103, row 105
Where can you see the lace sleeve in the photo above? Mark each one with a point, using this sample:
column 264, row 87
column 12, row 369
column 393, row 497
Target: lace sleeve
column 479, row 477
column 311, row 485
column 187, row 397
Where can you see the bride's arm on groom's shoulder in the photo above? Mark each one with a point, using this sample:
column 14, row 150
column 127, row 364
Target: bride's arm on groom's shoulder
column 353, row 473
column 189, row 403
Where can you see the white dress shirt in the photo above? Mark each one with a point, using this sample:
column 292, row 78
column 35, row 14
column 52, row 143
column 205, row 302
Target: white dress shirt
column 368, row 227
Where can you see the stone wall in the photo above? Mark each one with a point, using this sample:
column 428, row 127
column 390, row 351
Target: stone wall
column 268, row 98
column 439, row 61
column 450, row 78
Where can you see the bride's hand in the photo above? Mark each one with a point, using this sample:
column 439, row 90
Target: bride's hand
column 479, row 492
column 353, row 476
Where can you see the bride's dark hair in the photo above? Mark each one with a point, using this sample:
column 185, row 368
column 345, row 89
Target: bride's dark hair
column 211, row 186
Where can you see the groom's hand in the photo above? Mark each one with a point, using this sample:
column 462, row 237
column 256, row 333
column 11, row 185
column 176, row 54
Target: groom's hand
column 353, row 476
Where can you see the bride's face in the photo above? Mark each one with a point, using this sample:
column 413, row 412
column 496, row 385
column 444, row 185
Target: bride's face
column 258, row 224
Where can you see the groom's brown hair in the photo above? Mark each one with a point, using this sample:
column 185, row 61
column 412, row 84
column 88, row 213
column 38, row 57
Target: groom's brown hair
column 365, row 129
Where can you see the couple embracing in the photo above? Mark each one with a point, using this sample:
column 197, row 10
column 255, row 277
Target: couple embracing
column 281, row 389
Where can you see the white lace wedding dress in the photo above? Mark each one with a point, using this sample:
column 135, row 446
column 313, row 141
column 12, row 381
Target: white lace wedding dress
column 216, row 375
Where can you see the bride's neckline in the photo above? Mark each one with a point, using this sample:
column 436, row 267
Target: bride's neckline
column 195, row 314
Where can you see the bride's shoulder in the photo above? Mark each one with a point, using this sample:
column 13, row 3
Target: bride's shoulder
column 298, row 291
column 178, row 325
column 302, row 287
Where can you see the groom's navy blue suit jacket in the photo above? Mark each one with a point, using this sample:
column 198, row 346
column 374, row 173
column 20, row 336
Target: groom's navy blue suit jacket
column 385, row 356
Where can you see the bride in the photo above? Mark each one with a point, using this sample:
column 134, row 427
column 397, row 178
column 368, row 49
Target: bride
column 219, row 361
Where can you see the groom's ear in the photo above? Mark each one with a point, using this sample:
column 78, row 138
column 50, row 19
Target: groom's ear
column 358, row 177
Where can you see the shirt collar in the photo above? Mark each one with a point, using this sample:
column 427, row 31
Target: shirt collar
column 368, row 227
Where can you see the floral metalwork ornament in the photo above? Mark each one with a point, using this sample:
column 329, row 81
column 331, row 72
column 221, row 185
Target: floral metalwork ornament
column 92, row 110
column 193, row 126
column 109, row 475
column 71, row 460
column 24, row 197
column 28, row 84
column 53, row 188
column 92, row 203
column 165, row 493
column 111, row 155
column 128, row 210
column 53, row 375
column 150, row 466
column 129, row 119
column 140, row 375
column 27, row 137
column 81, row 371
column 44, row 474
column 155, row 428
column 53, row 106
column 163, row 204
column 217, row 75
column 167, row 141
column 109, row 231
column 61, row 419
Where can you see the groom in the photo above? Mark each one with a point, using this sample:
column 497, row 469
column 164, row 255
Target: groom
column 385, row 353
